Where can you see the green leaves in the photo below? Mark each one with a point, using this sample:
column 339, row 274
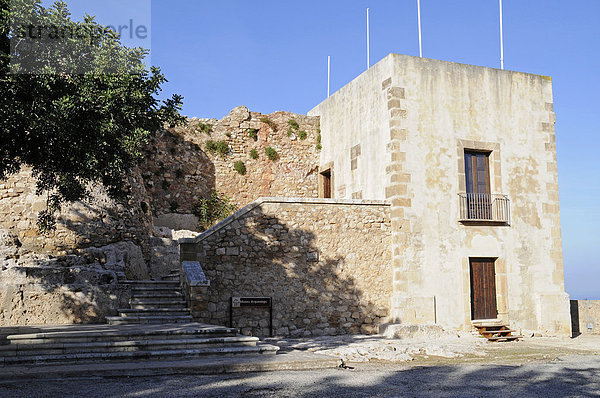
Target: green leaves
column 83, row 110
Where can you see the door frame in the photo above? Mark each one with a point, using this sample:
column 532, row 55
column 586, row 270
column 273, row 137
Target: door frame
column 493, row 261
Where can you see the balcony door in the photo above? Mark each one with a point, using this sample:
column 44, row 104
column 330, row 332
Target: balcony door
column 477, row 173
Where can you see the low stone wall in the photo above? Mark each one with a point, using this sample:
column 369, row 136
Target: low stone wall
column 325, row 263
column 585, row 317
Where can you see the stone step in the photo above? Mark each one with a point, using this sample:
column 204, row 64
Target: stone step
column 190, row 342
column 139, row 355
column 158, row 305
column 94, row 333
column 157, row 319
column 168, row 301
column 159, row 288
column 128, row 312
column 148, row 283
column 157, row 295
column 296, row 360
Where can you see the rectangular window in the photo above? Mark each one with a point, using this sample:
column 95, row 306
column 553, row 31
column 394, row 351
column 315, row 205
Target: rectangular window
column 326, row 181
column 477, row 174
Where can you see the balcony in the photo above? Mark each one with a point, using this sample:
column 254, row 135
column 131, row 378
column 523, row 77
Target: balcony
column 484, row 208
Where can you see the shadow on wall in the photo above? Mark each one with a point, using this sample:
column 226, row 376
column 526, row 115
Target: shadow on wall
column 327, row 271
column 177, row 174
column 67, row 289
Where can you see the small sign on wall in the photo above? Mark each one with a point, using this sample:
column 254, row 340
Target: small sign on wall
column 248, row 302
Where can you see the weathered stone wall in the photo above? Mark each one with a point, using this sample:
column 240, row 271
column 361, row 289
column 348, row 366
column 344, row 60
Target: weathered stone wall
column 179, row 170
column 419, row 115
column 96, row 221
column 585, row 317
column 326, row 264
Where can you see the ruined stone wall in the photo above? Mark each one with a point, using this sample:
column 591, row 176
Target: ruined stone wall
column 326, row 264
column 179, row 170
column 96, row 221
column 585, row 317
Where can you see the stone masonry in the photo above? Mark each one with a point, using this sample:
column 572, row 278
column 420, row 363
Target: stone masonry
column 325, row 262
column 179, row 170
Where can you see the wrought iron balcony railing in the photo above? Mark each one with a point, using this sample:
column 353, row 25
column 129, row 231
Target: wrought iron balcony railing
column 484, row 207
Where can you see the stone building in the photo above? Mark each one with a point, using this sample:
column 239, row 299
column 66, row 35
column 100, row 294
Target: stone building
column 422, row 193
column 466, row 157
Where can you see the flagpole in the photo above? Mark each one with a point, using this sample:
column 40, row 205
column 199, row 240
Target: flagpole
column 419, row 16
column 368, row 49
column 501, row 39
column 328, row 73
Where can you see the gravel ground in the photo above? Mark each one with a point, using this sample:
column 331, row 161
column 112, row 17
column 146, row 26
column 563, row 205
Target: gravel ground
column 534, row 367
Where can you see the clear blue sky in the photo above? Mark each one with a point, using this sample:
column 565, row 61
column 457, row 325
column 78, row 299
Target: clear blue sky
column 271, row 55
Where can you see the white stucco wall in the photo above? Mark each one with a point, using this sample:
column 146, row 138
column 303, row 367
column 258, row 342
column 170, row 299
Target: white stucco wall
column 357, row 114
column 446, row 107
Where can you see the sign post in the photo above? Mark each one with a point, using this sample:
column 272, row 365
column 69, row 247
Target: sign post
column 263, row 302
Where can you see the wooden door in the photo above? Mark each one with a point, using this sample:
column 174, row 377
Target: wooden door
column 483, row 289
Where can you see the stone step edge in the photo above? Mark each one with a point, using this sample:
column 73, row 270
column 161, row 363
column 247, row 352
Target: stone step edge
column 149, row 282
column 259, row 349
column 199, row 366
column 126, row 332
column 151, row 310
column 128, row 343
column 168, row 318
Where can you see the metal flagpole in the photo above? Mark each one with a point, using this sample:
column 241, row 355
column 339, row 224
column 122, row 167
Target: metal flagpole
column 419, row 16
column 368, row 60
column 501, row 40
column 328, row 73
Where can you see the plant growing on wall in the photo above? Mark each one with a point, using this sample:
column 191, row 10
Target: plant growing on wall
column 253, row 133
column 254, row 154
column 302, row 134
column 240, row 167
column 219, row 147
column 294, row 126
column 213, row 209
column 319, row 147
column 204, row 128
column 269, row 123
column 271, row 153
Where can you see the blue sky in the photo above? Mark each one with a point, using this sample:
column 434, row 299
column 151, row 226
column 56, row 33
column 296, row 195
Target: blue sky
column 272, row 55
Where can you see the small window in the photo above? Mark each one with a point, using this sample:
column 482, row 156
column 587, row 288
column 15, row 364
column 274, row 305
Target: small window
column 326, row 183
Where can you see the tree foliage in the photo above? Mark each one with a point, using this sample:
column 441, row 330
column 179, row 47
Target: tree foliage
column 75, row 110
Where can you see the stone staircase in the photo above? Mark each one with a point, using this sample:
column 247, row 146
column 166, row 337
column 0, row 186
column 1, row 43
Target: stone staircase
column 158, row 326
column 153, row 302
column 495, row 330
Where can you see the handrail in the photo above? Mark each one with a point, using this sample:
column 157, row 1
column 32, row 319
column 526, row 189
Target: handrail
column 484, row 207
